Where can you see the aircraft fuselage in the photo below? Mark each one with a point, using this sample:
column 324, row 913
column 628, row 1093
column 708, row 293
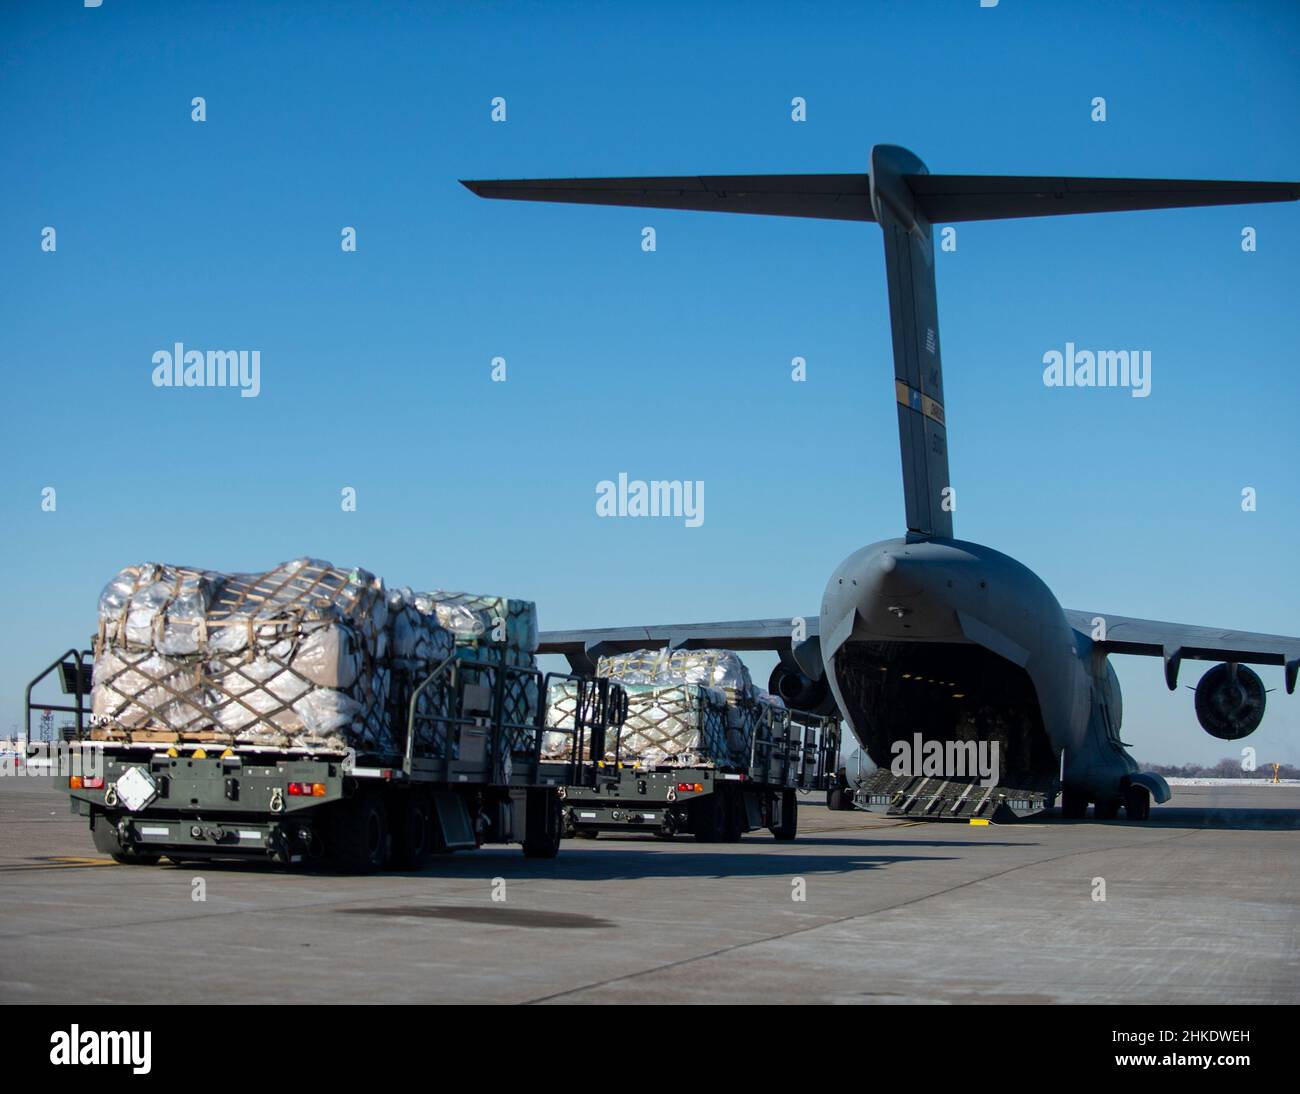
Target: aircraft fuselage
column 957, row 641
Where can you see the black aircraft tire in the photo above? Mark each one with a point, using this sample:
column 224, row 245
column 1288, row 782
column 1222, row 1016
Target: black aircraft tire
column 1106, row 810
column 358, row 835
column 1074, row 805
column 412, row 831
column 788, row 829
column 1137, row 803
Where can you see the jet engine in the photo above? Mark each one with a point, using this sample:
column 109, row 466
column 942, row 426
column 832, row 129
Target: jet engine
column 1230, row 702
column 801, row 692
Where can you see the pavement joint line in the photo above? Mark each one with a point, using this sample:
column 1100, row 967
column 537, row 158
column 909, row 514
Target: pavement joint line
column 846, row 919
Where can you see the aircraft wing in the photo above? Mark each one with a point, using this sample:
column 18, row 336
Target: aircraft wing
column 582, row 647
column 1178, row 641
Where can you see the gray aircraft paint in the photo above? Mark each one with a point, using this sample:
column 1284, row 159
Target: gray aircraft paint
column 929, row 589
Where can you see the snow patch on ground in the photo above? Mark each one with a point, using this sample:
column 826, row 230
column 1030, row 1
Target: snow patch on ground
column 1232, row 782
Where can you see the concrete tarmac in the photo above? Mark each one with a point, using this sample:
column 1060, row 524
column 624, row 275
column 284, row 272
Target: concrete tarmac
column 1201, row 905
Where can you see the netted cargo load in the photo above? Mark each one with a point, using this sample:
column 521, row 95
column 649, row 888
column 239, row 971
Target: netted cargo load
column 497, row 630
column 477, row 620
column 562, row 701
column 293, row 656
column 418, row 639
column 682, row 725
column 719, row 669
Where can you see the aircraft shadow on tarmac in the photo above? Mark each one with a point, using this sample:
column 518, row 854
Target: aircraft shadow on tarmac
column 1241, row 820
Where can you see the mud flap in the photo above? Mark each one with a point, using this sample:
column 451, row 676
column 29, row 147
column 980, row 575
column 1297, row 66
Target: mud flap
column 452, row 828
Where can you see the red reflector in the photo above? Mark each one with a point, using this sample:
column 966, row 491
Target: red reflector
column 95, row 783
column 297, row 790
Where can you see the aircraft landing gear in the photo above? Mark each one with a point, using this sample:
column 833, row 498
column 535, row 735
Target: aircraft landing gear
column 1074, row 805
column 1137, row 803
column 1107, row 810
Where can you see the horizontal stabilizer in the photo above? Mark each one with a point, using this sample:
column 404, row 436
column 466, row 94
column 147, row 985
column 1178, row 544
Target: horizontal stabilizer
column 949, row 198
column 827, row 197
column 939, row 198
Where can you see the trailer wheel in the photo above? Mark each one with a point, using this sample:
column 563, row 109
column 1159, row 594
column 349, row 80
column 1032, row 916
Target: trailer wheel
column 789, row 826
column 106, row 842
column 735, row 807
column 358, row 835
column 708, row 818
column 412, row 836
column 127, row 858
column 545, row 824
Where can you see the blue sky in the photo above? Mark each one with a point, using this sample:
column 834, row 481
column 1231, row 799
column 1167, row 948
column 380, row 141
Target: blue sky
column 670, row 365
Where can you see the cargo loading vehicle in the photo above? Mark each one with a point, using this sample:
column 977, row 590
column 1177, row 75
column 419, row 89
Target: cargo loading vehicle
column 698, row 751
column 196, row 745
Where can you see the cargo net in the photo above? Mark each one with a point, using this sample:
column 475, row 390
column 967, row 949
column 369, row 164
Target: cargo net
column 687, row 708
column 519, row 703
column 303, row 655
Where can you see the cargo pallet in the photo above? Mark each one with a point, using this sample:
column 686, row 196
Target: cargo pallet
column 713, row 804
column 460, row 775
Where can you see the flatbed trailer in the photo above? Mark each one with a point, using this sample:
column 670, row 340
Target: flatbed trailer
column 460, row 775
column 789, row 754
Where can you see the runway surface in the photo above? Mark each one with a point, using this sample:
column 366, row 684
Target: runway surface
column 1201, row 905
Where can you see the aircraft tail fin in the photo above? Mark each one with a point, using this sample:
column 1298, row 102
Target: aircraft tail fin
column 901, row 196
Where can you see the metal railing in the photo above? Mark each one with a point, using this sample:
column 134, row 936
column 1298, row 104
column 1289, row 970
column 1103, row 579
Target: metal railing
column 601, row 704
column 80, row 670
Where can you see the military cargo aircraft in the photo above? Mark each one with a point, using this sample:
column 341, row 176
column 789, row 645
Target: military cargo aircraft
column 928, row 633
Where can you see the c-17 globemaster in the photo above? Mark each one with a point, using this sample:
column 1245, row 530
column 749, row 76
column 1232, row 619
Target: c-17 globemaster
column 929, row 633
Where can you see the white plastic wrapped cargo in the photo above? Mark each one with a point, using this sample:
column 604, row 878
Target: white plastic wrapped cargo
column 417, row 634
column 682, row 725
column 495, row 629
column 296, row 655
column 139, row 688
column 720, row 669
column 561, row 714
column 476, row 619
